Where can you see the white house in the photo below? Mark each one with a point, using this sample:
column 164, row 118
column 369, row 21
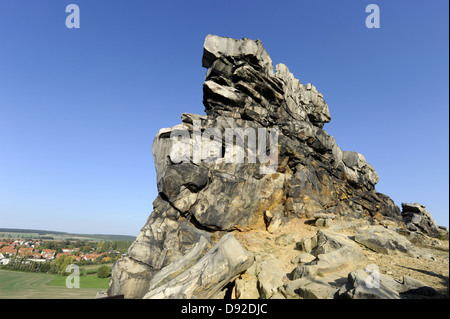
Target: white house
column 3, row 260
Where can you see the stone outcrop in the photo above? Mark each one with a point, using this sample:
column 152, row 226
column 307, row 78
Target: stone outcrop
column 205, row 278
column 364, row 285
column 417, row 218
column 318, row 288
column 278, row 163
column 333, row 252
column 384, row 240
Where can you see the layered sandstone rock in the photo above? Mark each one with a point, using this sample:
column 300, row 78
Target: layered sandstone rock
column 205, row 191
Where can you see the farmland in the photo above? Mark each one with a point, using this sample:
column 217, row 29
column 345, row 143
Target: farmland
column 55, row 235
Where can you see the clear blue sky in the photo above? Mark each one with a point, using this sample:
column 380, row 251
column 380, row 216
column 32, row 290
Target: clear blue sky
column 79, row 107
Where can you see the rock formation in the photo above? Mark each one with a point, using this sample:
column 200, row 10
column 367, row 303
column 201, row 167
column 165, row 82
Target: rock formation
column 333, row 252
column 206, row 193
column 417, row 218
column 389, row 288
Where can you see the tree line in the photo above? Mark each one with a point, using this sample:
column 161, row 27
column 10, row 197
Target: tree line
column 85, row 247
column 56, row 266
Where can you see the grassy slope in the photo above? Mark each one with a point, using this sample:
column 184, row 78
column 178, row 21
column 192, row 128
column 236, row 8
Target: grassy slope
column 22, row 285
column 85, row 282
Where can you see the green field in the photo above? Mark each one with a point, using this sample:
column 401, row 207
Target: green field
column 24, row 285
column 85, row 282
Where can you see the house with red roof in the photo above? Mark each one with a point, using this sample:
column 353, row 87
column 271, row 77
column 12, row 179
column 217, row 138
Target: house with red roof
column 48, row 253
column 10, row 250
column 36, row 255
column 24, row 252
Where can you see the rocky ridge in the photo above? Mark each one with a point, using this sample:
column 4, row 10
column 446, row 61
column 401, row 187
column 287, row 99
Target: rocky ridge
column 197, row 242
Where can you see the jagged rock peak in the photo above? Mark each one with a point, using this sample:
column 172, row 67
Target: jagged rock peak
column 240, row 83
column 254, row 51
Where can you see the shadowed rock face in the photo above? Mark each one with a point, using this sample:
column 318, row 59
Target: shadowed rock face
column 417, row 218
column 202, row 198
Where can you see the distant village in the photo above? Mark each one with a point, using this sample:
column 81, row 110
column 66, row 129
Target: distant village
column 36, row 250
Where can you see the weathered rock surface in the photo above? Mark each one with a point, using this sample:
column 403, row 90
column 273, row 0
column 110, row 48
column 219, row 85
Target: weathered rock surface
column 211, row 181
column 302, row 258
column 171, row 271
column 261, row 280
column 274, row 220
column 220, row 265
column 318, row 288
column 269, row 277
column 131, row 278
column 246, row 286
column 333, row 252
column 364, row 285
column 384, row 240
